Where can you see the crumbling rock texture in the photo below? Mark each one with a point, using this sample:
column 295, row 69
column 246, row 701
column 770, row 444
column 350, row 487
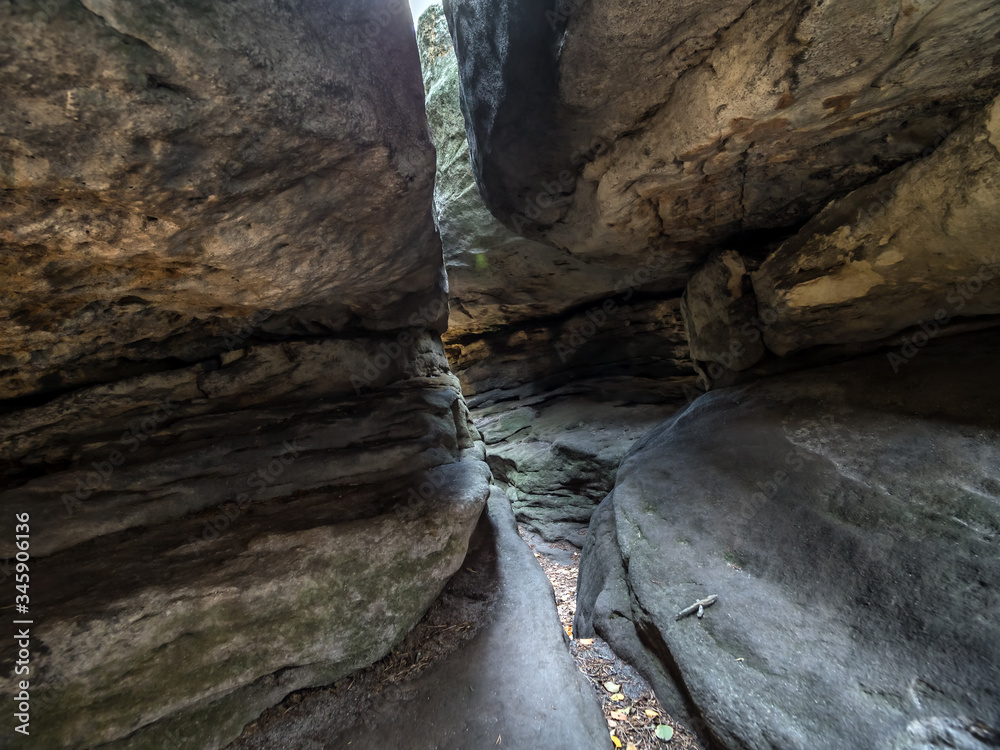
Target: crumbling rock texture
column 917, row 246
column 674, row 127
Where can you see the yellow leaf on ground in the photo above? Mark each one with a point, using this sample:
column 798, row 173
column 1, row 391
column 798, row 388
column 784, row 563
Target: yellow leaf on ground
column 569, row 631
column 651, row 714
column 586, row 641
column 611, row 687
column 618, row 742
column 618, row 697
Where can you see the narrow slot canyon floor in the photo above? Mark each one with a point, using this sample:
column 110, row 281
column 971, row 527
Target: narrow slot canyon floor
column 441, row 682
column 487, row 666
column 493, row 662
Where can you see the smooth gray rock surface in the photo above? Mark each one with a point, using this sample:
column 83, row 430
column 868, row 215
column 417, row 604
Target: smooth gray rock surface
column 848, row 519
column 514, row 684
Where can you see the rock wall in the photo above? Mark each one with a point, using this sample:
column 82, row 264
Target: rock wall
column 496, row 277
column 803, row 183
column 178, row 177
column 584, row 355
column 226, row 406
column 667, row 129
column 847, row 520
column 792, row 138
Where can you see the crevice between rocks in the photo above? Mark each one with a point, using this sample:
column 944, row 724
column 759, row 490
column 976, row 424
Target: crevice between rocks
column 650, row 637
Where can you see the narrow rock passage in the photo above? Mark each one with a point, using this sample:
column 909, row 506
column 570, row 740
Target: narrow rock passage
column 512, row 684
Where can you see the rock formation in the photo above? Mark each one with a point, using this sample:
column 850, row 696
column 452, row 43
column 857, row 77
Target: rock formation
column 537, row 333
column 227, row 410
column 617, row 130
column 254, row 442
column 496, row 277
column 847, row 519
column 804, row 183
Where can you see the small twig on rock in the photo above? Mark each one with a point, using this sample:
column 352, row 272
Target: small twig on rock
column 698, row 606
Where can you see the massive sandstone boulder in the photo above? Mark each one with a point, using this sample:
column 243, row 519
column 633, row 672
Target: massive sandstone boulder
column 624, row 130
column 907, row 256
column 177, row 176
column 523, row 312
column 226, row 407
column 847, row 518
column 817, row 179
column 917, row 246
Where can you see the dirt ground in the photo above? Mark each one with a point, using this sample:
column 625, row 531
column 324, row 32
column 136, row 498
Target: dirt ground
column 631, row 709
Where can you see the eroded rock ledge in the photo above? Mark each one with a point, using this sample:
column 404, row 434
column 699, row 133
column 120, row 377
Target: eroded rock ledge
column 682, row 125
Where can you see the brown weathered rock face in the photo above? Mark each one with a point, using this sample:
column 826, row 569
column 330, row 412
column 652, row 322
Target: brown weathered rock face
column 174, row 175
column 919, row 245
column 910, row 256
column 666, row 128
column 224, row 402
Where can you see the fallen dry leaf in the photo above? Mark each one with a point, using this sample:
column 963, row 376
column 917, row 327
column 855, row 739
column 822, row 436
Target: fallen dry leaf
column 664, row 732
column 612, row 687
column 618, row 697
column 618, row 742
column 651, row 714
column 586, row 641
column 619, row 716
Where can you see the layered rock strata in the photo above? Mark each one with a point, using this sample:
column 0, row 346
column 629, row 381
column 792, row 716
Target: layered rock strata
column 225, row 409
